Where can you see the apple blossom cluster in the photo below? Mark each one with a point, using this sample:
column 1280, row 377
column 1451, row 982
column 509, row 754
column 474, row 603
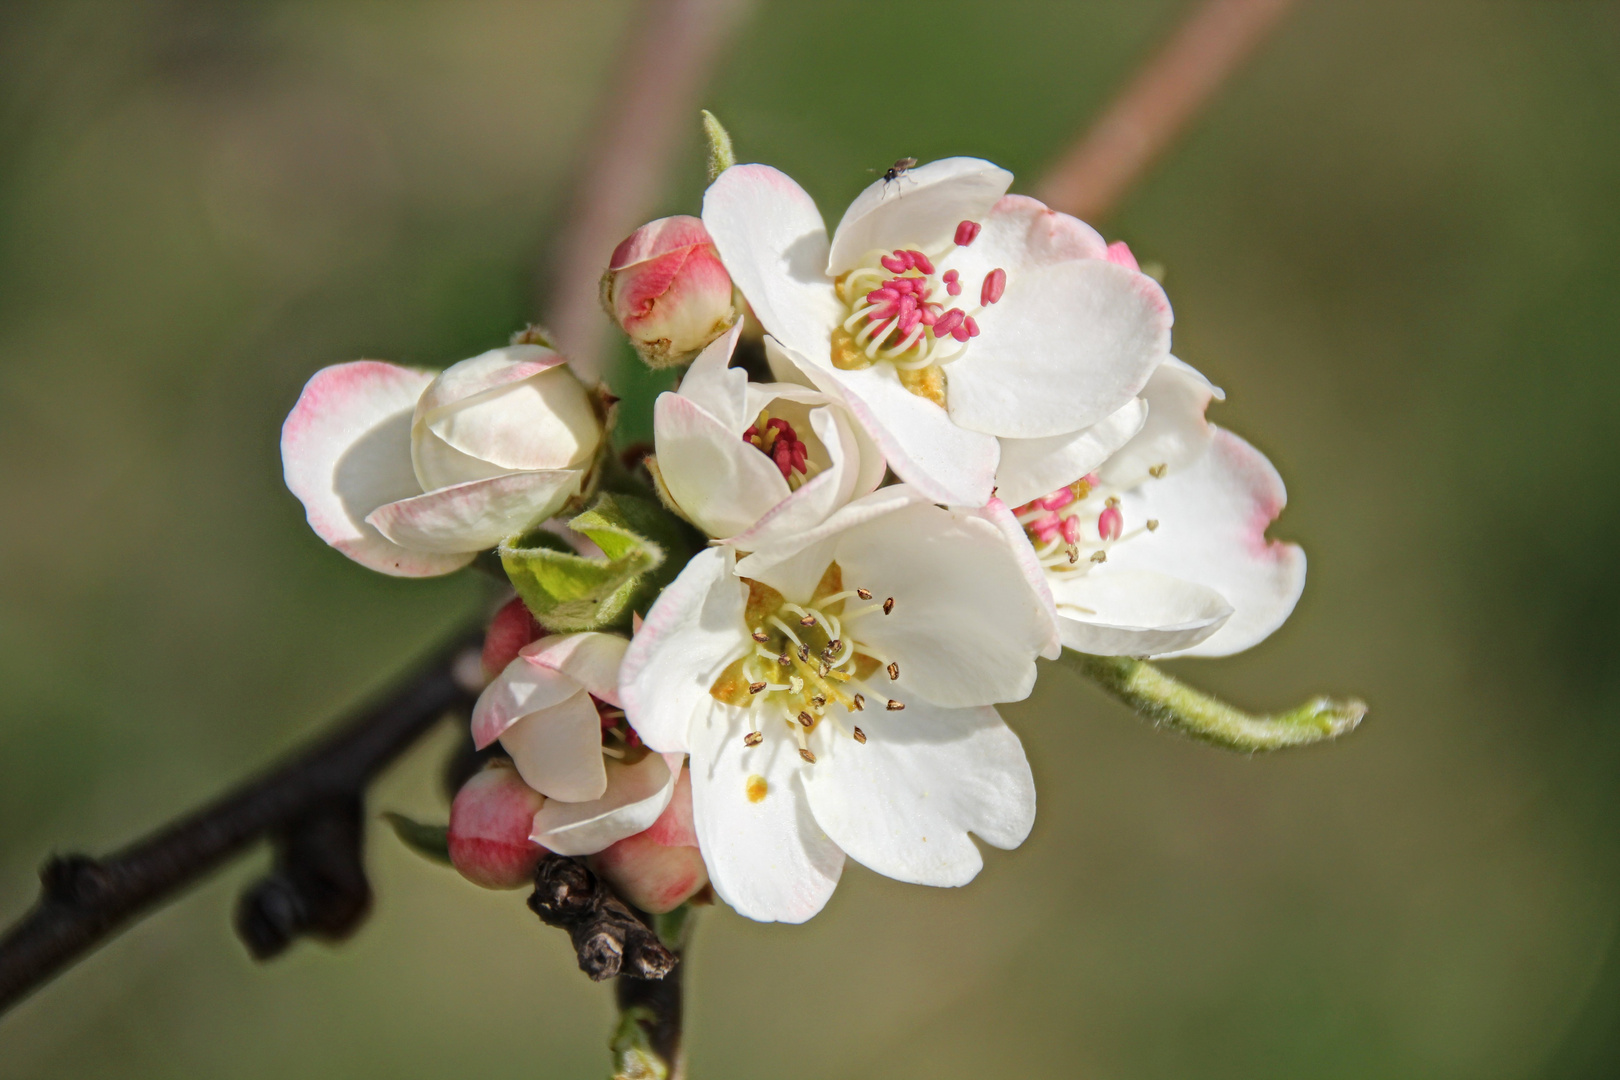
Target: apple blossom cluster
column 778, row 641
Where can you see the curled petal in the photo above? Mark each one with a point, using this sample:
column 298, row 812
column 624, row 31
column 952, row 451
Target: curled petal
column 477, row 515
column 634, row 797
column 1113, row 612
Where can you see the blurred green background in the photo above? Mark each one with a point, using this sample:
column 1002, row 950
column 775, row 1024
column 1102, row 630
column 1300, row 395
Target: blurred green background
column 1394, row 240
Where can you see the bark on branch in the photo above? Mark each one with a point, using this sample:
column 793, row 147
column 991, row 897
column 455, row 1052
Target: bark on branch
column 310, row 807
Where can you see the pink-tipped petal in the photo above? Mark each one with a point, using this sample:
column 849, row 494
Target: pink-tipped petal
column 589, row 659
column 346, row 450
column 472, row 517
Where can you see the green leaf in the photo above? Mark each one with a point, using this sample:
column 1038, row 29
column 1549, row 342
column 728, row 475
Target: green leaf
column 721, row 156
column 429, row 841
column 643, row 548
column 1169, row 702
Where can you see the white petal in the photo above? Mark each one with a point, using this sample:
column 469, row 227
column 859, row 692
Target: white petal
column 1176, row 432
column 590, row 659
column 1068, row 344
column 997, row 513
column 477, row 515
column 691, row 633
column 485, row 372
column 720, row 482
column 773, row 243
column 1031, row 468
column 1021, row 233
column 1212, row 518
column 966, row 625
column 766, row 857
column 558, row 750
column 921, row 209
column 717, row 388
column 1114, row 612
column 904, row 802
column 635, row 796
column 794, row 565
column 543, row 422
column 346, row 450
column 917, row 438
column 522, row 687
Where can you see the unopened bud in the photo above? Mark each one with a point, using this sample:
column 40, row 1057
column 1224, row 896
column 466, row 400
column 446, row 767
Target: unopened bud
column 667, row 289
column 490, row 822
column 660, row 869
column 512, row 628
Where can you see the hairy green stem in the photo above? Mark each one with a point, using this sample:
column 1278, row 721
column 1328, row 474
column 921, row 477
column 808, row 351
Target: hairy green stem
column 1169, row 702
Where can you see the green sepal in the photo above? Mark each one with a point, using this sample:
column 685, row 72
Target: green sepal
column 432, row 842
column 643, row 548
column 721, row 156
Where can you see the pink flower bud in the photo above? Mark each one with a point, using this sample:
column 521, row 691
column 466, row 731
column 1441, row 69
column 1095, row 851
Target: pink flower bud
column 512, row 628
column 1120, row 252
column 661, row 868
column 490, row 822
column 667, row 289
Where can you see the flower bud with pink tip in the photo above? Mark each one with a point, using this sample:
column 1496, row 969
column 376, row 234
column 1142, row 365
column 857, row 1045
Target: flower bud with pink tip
column 667, row 289
column 509, row 631
column 490, row 821
column 660, row 868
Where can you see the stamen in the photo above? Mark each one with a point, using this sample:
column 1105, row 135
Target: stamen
column 860, row 736
column 967, row 232
column 806, row 719
column 808, row 620
column 920, row 261
column 761, row 636
column 785, row 628
column 895, row 706
column 804, row 752
column 947, row 323
column 1110, row 523
column 995, row 284
column 859, row 702
column 753, row 738
column 864, row 594
column 1153, row 524
column 893, row 670
column 756, row 688
column 1099, row 556
column 1158, row 471
column 888, row 605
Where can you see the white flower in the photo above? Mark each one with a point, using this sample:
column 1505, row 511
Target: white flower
column 1163, row 550
column 754, row 463
column 837, row 700
column 947, row 314
column 554, row 710
column 413, row 473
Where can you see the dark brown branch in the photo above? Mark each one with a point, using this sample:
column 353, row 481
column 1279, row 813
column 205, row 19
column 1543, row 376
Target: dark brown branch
column 608, row 935
column 310, row 805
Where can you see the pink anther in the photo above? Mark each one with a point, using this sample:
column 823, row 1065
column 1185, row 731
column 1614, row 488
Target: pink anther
column 1058, row 499
column 930, row 314
column 896, row 263
column 950, row 277
column 1110, row 523
column 970, row 326
column 1071, row 530
column 967, row 232
column 995, row 283
column 949, row 323
column 887, row 292
column 1092, row 479
column 1046, row 528
column 921, row 261
column 954, row 288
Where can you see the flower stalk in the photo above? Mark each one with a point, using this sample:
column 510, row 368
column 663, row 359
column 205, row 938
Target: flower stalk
column 1169, row 702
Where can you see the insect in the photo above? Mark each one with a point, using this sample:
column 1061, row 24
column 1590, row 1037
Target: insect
column 896, row 171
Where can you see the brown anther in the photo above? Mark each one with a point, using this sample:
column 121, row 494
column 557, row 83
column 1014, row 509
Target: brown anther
column 888, row 605
column 1099, row 556
column 864, row 594
column 894, row 669
column 807, row 720
column 761, row 636
column 823, row 668
column 807, row 755
column 808, row 620
column 1157, row 471
column 832, row 647
column 895, row 706
column 1074, row 555
column 1153, row 524
column 818, row 701
column 783, row 660
column 755, row 687
column 859, row 703
column 804, row 653
column 753, row 738
column 860, row 736
column 1112, row 500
